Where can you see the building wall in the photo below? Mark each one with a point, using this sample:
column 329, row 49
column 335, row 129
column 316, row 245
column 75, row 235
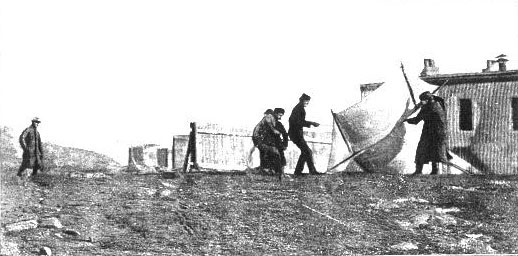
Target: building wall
column 149, row 156
column 179, row 149
column 492, row 144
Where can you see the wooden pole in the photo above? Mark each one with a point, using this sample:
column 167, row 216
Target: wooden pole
column 355, row 154
column 194, row 149
column 130, row 154
column 189, row 149
column 341, row 133
column 439, row 87
column 408, row 84
column 458, row 167
column 186, row 161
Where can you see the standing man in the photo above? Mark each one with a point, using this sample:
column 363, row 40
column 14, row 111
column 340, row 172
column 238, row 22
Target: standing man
column 30, row 142
column 297, row 122
column 432, row 146
column 281, row 141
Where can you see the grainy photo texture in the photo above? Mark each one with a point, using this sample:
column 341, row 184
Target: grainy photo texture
column 379, row 127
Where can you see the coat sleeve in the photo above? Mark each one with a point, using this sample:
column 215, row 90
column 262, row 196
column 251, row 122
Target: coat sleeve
column 40, row 145
column 255, row 134
column 299, row 118
column 285, row 140
column 416, row 119
column 284, row 135
column 22, row 139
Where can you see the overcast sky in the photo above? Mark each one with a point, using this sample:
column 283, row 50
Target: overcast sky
column 106, row 74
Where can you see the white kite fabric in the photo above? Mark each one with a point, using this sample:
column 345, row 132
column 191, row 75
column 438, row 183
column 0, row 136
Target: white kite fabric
column 372, row 119
column 374, row 130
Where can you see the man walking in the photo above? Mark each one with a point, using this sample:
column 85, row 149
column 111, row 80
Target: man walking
column 281, row 140
column 30, row 141
column 432, row 145
column 297, row 123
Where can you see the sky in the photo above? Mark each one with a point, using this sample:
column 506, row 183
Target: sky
column 103, row 75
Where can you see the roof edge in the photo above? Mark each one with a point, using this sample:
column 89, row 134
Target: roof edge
column 460, row 78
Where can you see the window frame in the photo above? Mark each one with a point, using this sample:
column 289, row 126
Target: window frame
column 513, row 126
column 462, row 125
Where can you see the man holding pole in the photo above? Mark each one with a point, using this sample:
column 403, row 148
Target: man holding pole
column 432, row 145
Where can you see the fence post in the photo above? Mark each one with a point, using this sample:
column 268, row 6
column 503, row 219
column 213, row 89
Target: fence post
column 191, row 149
column 194, row 148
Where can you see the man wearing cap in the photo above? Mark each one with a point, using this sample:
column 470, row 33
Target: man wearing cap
column 432, row 145
column 280, row 141
column 30, row 141
column 262, row 138
column 297, row 123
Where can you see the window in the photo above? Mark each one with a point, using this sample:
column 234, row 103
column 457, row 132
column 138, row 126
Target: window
column 466, row 115
column 514, row 110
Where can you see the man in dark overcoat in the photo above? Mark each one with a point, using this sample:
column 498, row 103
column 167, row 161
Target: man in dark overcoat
column 281, row 140
column 297, row 123
column 30, row 141
column 263, row 138
column 432, row 145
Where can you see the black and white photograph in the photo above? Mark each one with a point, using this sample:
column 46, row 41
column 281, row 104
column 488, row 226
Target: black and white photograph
column 377, row 127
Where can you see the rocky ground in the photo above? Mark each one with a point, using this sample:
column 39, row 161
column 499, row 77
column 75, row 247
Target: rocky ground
column 96, row 213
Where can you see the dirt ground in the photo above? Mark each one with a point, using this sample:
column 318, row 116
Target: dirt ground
column 252, row 214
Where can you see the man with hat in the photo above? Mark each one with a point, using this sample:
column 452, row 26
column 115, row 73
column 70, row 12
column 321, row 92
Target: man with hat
column 30, row 141
column 297, row 123
column 280, row 140
column 262, row 137
column 432, row 145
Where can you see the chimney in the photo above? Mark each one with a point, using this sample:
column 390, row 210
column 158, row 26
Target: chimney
column 501, row 66
column 429, row 63
column 429, row 68
column 501, row 62
column 489, row 67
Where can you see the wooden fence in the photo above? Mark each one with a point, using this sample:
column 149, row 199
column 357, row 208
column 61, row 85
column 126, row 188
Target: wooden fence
column 228, row 148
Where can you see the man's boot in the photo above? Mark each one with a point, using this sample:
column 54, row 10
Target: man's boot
column 435, row 168
column 312, row 169
column 418, row 169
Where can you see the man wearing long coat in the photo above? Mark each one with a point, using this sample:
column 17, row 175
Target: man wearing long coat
column 263, row 138
column 30, row 141
column 297, row 123
column 281, row 141
column 432, row 145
